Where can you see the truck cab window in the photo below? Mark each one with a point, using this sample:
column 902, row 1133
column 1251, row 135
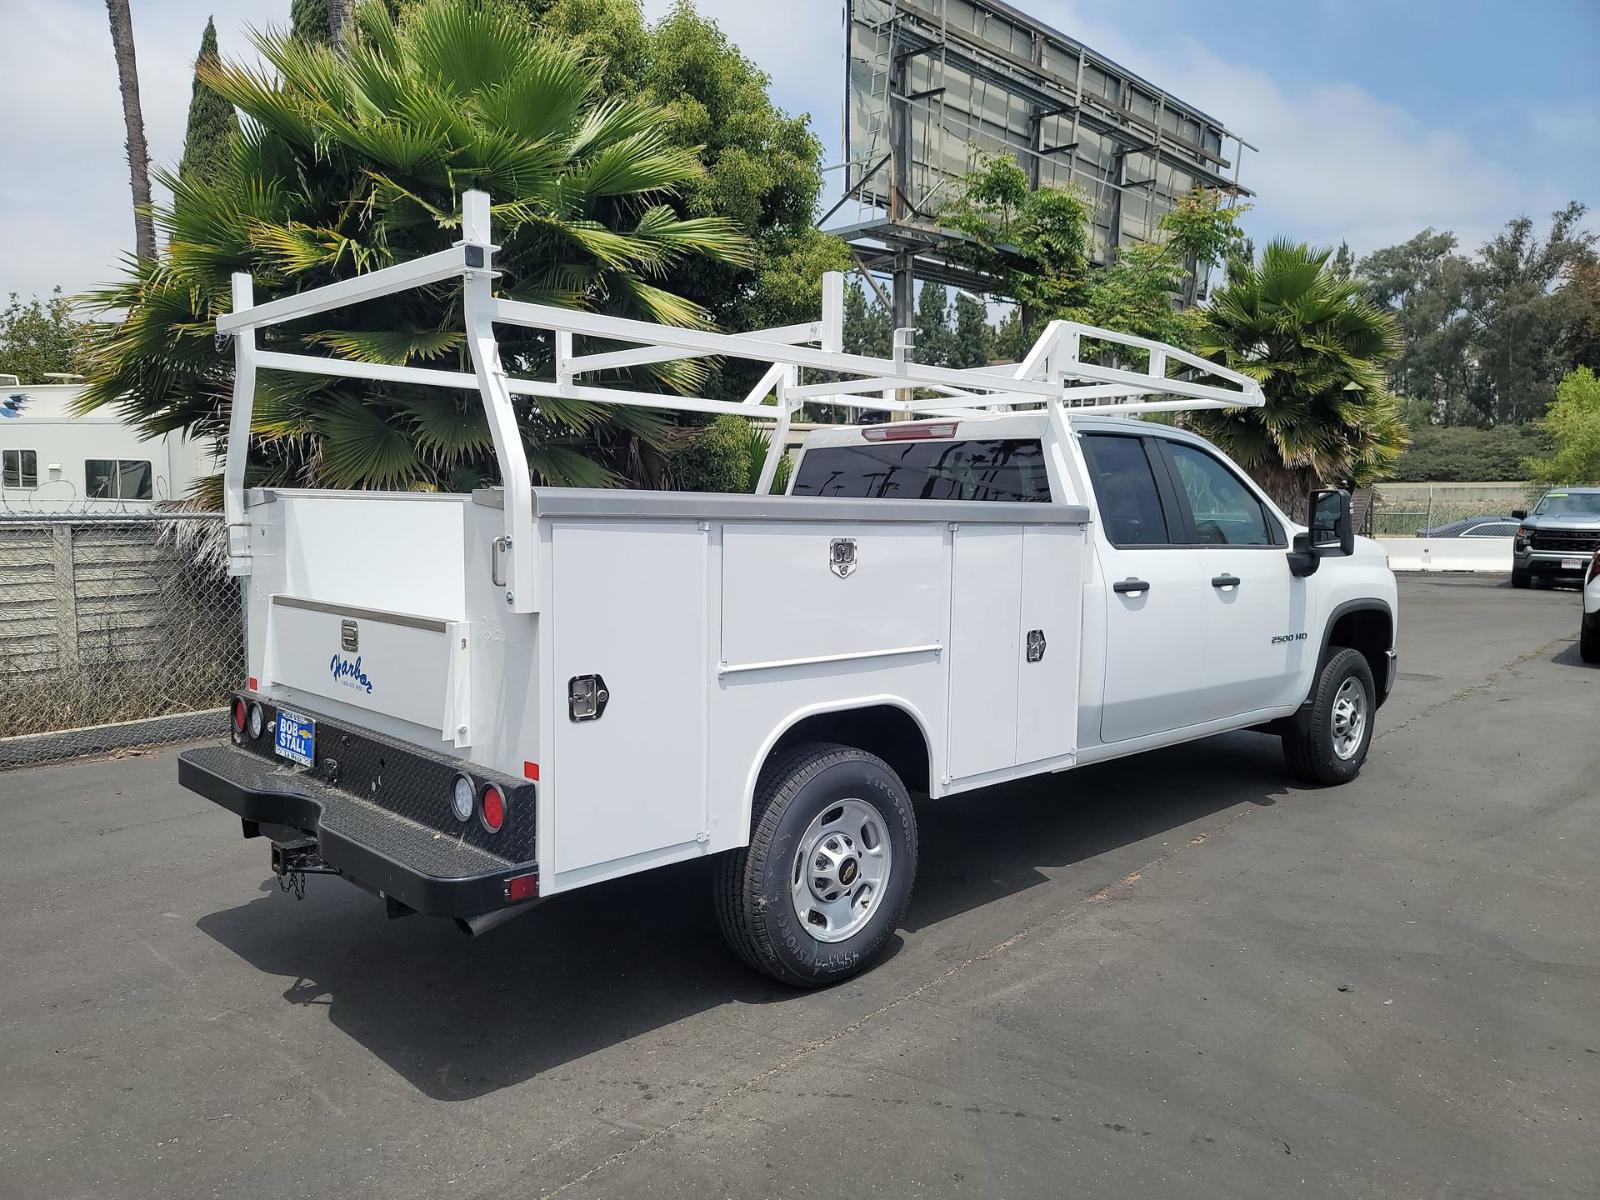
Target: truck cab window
column 1223, row 510
column 932, row 469
column 1125, row 486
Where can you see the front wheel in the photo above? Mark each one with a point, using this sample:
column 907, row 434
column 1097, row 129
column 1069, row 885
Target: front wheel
column 1332, row 745
column 1521, row 579
column 1589, row 639
column 814, row 897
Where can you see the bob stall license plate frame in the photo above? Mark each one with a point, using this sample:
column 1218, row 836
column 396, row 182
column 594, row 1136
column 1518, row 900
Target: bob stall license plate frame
column 295, row 737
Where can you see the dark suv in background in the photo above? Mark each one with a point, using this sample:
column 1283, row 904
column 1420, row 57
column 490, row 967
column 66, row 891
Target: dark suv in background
column 1557, row 540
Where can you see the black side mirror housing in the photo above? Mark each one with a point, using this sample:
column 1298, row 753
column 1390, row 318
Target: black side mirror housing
column 1303, row 560
column 1332, row 532
column 1521, row 514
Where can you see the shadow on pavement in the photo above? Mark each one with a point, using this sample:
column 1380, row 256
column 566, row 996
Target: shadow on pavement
column 1571, row 656
column 461, row 1017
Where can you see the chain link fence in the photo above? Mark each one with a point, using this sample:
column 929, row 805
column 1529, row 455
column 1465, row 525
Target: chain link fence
column 1449, row 509
column 115, row 632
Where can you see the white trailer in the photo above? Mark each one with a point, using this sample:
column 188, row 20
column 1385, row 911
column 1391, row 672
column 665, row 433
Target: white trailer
column 469, row 704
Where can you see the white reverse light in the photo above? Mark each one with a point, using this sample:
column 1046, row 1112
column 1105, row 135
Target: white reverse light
column 256, row 721
column 463, row 798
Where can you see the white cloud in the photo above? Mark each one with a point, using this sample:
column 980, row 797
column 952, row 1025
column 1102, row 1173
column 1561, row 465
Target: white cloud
column 66, row 212
column 1334, row 161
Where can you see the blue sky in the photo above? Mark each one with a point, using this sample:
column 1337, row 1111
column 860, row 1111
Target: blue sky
column 1373, row 119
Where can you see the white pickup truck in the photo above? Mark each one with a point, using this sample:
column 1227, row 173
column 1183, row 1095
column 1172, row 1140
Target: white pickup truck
column 469, row 704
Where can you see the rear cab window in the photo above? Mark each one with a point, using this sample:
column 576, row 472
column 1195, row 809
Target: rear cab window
column 1008, row 469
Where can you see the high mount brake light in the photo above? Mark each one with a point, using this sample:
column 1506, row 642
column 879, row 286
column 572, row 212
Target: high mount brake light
column 910, row 431
column 492, row 808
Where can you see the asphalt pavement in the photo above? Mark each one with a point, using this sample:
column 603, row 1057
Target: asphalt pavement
column 1177, row 974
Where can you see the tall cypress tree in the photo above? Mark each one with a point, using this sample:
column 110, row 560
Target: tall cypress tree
column 308, row 20
column 212, row 121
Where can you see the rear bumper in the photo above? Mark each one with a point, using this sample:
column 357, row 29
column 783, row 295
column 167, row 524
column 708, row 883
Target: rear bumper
column 423, row 868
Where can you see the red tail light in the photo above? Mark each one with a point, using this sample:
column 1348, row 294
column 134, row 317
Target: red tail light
column 1594, row 568
column 240, row 715
column 492, row 808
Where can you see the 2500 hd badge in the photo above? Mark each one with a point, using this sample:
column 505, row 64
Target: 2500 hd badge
column 1281, row 638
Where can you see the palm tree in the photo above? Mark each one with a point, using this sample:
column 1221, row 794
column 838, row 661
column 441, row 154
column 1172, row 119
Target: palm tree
column 1317, row 346
column 144, row 231
column 353, row 159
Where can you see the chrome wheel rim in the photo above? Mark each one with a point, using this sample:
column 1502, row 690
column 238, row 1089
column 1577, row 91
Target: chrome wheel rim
column 841, row 870
column 1349, row 718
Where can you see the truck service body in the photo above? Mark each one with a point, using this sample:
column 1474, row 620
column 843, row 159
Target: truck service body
column 468, row 703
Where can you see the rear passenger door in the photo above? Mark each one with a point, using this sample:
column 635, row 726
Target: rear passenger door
column 1256, row 631
column 1155, row 611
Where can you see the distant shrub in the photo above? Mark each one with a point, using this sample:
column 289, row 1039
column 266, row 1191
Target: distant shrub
column 1467, row 454
column 725, row 456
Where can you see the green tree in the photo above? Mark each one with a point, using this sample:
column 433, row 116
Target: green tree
column 1036, row 243
column 1573, row 424
column 1423, row 282
column 1318, row 347
column 212, row 122
column 1487, row 336
column 933, row 325
column 972, row 341
column 868, row 326
column 352, row 161
column 40, row 337
column 308, row 21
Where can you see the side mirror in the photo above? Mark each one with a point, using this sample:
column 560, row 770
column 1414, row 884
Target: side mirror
column 1333, row 529
column 1303, row 560
column 1520, row 514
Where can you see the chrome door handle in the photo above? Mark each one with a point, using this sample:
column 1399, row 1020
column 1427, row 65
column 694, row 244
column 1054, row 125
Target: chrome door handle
column 1130, row 587
column 1224, row 581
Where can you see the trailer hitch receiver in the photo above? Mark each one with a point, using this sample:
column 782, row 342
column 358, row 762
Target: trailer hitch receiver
column 293, row 861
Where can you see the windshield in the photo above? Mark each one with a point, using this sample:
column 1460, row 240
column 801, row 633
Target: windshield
column 1558, row 504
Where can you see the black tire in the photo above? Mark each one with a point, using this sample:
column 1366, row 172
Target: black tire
column 1309, row 746
column 752, row 884
column 1589, row 640
column 1521, row 579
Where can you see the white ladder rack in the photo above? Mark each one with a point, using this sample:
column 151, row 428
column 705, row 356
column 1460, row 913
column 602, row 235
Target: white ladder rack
column 1053, row 375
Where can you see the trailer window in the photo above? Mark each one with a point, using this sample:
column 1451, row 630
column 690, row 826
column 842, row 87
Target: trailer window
column 117, row 479
column 20, row 469
column 992, row 469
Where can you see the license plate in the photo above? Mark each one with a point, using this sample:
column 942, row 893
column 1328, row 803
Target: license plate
column 296, row 738
column 1572, row 564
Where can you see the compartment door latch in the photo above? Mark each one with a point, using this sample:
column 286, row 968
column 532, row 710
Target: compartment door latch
column 587, row 696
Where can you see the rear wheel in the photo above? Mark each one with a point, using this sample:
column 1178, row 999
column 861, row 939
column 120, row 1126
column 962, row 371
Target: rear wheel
column 1589, row 639
column 1333, row 744
column 814, row 897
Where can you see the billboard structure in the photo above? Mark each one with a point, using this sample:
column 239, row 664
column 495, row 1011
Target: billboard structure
column 933, row 86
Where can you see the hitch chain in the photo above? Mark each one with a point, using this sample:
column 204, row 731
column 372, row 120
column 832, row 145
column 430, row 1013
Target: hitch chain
column 293, row 881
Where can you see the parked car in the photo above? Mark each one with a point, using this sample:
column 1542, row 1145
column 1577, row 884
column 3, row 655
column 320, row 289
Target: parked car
column 1474, row 527
column 1557, row 539
column 1589, row 630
